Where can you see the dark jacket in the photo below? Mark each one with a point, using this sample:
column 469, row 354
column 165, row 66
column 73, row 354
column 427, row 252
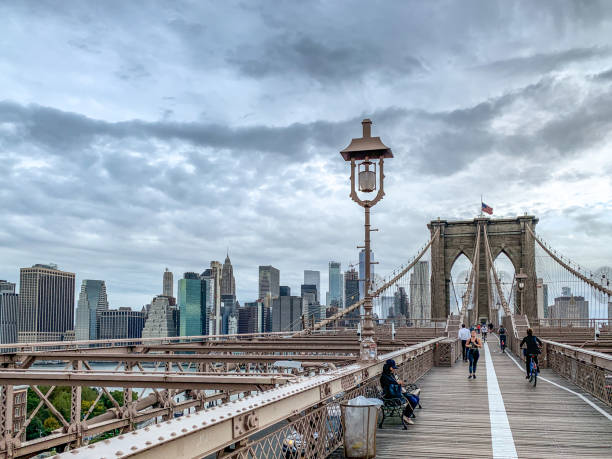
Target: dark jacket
column 532, row 344
column 389, row 384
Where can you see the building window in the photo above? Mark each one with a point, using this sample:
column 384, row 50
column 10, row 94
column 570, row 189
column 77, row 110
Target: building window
column 17, row 411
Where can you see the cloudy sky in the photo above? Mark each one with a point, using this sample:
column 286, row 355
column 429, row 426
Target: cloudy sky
column 141, row 135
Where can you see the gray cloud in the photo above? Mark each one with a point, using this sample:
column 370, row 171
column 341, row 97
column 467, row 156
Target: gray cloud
column 311, row 57
column 539, row 63
column 154, row 134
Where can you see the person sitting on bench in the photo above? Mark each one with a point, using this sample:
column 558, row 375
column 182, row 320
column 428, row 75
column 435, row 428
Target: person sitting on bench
column 392, row 389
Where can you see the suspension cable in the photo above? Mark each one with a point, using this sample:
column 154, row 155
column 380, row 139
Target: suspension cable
column 376, row 293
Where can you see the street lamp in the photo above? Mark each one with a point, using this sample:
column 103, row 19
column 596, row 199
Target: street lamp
column 367, row 154
column 520, row 284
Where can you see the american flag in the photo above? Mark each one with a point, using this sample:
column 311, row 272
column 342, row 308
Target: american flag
column 487, row 209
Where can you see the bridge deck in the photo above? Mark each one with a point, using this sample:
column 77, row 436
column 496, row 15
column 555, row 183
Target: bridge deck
column 456, row 419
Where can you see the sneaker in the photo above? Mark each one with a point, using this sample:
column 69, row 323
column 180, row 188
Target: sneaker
column 407, row 420
column 474, row 376
column 470, row 377
column 527, row 377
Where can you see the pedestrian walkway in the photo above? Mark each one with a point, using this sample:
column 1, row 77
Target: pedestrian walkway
column 527, row 422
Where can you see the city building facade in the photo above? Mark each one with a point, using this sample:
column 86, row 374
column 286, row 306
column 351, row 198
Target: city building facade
column 269, row 283
column 168, row 283
column 228, row 282
column 286, row 313
column 569, row 310
column 46, row 304
column 92, row 302
column 121, row 323
column 335, row 284
column 9, row 310
column 162, row 319
column 192, row 305
column 313, row 278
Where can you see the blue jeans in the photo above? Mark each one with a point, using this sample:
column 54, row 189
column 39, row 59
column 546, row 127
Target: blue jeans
column 473, row 356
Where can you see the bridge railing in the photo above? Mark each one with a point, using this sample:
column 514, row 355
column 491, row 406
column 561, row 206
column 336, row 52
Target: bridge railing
column 255, row 426
column 592, row 371
column 318, row 432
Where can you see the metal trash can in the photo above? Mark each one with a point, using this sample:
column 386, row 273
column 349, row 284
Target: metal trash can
column 359, row 421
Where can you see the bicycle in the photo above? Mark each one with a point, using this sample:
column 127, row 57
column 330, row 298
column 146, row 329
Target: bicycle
column 533, row 369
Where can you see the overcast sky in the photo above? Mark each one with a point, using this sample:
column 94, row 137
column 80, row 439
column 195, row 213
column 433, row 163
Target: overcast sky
column 139, row 135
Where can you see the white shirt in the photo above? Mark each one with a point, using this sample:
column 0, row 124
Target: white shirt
column 464, row 334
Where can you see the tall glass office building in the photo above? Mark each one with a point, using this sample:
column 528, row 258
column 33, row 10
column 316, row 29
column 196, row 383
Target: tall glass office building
column 335, row 284
column 192, row 305
column 92, row 302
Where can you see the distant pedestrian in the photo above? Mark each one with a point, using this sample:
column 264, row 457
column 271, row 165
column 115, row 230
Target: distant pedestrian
column 478, row 329
column 463, row 335
column 473, row 345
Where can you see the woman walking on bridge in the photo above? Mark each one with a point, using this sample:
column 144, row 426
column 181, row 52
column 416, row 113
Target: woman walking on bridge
column 473, row 344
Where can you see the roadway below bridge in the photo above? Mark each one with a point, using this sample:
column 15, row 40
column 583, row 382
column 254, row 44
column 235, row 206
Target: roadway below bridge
column 500, row 415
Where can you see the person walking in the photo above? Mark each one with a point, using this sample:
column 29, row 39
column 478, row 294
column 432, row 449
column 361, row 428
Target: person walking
column 463, row 335
column 483, row 330
column 502, row 338
column 473, row 345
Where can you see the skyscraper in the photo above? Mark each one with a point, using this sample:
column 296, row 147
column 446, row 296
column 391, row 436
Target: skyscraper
column 309, row 297
column 9, row 306
column 362, row 271
column 569, row 310
column 313, row 278
column 46, row 303
column 92, row 301
column 351, row 287
column 214, row 273
column 192, row 305
column 420, row 300
column 121, row 323
column 400, row 302
column 161, row 320
column 269, row 283
column 286, row 313
column 6, row 287
column 168, row 289
column 335, row 284
column 228, row 283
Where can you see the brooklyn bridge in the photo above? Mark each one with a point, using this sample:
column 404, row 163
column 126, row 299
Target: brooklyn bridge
column 240, row 396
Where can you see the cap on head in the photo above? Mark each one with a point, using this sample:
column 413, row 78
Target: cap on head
column 392, row 364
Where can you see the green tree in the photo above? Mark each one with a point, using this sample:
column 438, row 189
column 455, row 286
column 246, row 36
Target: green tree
column 51, row 424
column 35, row 429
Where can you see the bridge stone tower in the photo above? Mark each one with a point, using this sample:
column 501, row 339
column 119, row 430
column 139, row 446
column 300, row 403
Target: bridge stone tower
column 508, row 235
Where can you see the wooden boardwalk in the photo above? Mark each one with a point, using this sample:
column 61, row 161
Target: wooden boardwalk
column 455, row 422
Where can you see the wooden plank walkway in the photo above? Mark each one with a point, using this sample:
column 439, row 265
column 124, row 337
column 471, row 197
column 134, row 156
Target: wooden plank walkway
column 546, row 421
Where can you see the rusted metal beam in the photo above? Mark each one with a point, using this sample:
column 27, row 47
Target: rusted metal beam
column 246, row 357
column 203, row 433
column 164, row 380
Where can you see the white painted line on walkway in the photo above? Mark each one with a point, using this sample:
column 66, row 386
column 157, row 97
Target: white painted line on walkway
column 501, row 434
column 522, row 368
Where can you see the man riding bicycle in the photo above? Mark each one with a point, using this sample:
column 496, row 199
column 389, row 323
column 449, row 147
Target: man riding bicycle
column 532, row 350
column 502, row 338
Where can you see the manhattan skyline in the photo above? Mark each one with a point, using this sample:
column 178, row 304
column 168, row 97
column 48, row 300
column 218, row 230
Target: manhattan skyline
column 137, row 136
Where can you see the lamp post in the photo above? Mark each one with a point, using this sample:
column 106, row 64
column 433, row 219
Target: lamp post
column 520, row 284
column 363, row 153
